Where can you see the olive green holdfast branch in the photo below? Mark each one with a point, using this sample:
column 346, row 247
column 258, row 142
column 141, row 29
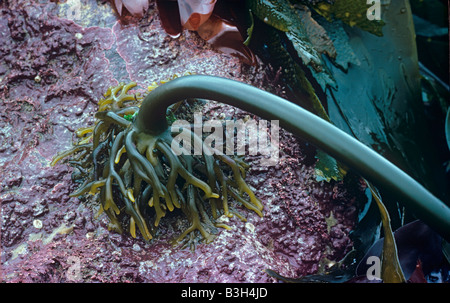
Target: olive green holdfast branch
column 324, row 135
column 128, row 155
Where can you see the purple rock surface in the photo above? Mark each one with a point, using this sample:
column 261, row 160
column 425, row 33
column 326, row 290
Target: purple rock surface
column 53, row 70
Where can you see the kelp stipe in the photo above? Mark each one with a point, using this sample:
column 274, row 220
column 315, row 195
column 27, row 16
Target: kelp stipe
column 327, row 137
column 150, row 126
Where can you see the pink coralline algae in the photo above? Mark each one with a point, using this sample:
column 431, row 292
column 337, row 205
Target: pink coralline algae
column 52, row 73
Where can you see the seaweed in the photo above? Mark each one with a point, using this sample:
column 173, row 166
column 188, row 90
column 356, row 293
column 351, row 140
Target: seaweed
column 149, row 171
column 136, row 170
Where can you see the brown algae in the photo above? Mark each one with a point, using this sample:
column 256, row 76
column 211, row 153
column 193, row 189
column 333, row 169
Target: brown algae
column 138, row 173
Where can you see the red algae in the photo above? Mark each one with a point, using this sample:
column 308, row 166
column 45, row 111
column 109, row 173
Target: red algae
column 52, row 73
column 152, row 55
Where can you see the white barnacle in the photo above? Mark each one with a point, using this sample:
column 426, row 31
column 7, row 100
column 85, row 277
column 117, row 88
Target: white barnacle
column 37, row 223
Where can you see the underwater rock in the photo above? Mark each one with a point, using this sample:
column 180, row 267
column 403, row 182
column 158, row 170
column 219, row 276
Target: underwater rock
column 76, row 65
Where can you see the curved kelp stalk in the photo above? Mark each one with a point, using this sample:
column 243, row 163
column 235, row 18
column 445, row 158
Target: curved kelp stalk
column 141, row 168
column 363, row 160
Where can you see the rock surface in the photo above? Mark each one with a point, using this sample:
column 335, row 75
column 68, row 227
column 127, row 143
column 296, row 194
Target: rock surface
column 52, row 72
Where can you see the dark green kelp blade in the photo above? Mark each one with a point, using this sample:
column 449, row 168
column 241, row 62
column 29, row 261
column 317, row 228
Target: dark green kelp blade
column 378, row 99
column 354, row 13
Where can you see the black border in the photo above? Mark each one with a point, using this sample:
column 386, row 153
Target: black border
column 171, row 292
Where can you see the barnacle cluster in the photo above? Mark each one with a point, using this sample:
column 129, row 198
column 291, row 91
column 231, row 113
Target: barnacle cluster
column 140, row 177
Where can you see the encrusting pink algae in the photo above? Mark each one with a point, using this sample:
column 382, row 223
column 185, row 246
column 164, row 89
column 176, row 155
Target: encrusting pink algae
column 53, row 73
